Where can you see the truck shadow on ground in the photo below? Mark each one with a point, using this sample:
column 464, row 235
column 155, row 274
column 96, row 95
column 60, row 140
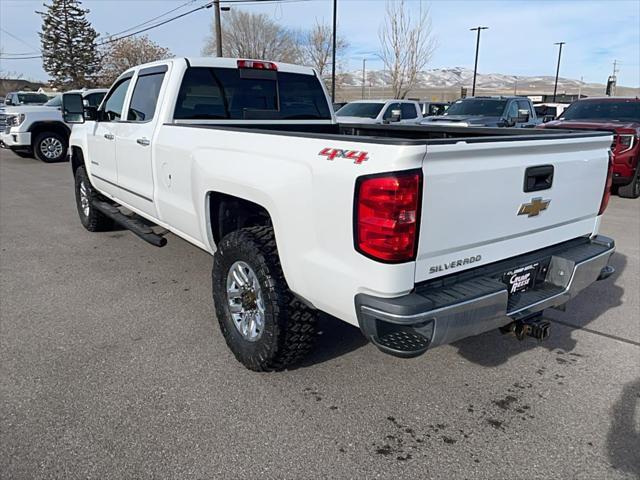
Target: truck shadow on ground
column 492, row 348
column 337, row 338
column 623, row 438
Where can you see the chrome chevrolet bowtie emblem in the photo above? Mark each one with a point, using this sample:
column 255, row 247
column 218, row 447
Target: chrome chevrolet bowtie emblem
column 534, row 208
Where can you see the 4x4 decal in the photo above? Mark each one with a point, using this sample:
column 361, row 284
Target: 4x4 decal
column 357, row 156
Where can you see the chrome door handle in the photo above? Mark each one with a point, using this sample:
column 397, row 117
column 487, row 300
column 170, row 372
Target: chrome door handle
column 143, row 141
column 109, row 136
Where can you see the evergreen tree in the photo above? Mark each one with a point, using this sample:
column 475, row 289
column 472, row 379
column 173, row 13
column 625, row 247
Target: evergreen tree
column 69, row 51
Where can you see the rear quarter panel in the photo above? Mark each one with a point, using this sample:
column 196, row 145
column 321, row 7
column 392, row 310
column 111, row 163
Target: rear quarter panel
column 309, row 198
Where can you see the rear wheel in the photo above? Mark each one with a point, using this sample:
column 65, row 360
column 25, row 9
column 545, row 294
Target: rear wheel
column 91, row 218
column 264, row 325
column 50, row 147
column 631, row 190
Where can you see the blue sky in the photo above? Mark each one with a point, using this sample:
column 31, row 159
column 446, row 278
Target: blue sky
column 520, row 39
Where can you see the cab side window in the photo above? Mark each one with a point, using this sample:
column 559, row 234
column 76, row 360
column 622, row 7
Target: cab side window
column 389, row 111
column 115, row 101
column 142, row 107
column 524, row 105
column 408, row 111
column 512, row 113
column 94, row 99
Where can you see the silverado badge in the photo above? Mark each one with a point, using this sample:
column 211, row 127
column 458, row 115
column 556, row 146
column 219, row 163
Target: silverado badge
column 534, row 208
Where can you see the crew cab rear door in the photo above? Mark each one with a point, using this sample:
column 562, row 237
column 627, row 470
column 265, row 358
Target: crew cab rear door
column 487, row 200
column 134, row 139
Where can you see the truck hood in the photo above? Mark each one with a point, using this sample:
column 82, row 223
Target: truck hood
column 29, row 109
column 593, row 125
column 342, row 119
column 468, row 119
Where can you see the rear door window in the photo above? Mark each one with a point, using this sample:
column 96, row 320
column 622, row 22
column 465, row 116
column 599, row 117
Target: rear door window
column 142, row 106
column 245, row 94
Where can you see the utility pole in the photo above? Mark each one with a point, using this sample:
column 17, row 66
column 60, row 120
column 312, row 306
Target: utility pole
column 614, row 78
column 216, row 10
column 580, row 87
column 555, row 86
column 515, row 87
column 333, row 53
column 475, row 66
column 364, row 60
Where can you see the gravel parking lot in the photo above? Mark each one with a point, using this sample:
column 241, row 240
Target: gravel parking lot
column 112, row 366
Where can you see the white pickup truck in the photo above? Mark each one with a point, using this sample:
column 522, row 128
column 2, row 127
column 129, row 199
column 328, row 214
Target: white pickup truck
column 380, row 112
column 39, row 130
column 418, row 235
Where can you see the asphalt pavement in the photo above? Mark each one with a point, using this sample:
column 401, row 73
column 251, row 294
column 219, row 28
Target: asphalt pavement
column 112, row 367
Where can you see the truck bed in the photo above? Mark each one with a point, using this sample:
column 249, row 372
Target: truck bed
column 399, row 134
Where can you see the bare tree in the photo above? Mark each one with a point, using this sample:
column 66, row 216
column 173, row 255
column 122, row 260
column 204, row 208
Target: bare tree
column 317, row 47
column 253, row 35
column 406, row 45
column 129, row 52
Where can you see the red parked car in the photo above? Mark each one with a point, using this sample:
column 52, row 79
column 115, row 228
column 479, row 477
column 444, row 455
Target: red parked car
column 621, row 116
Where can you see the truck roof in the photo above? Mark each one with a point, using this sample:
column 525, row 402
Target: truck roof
column 227, row 63
column 382, row 100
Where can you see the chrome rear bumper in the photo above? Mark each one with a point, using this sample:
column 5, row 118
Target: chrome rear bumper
column 435, row 315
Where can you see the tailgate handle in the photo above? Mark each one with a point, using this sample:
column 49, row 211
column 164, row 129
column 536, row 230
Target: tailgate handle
column 538, row 178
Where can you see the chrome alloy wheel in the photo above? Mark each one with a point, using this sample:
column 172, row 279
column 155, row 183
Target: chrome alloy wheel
column 244, row 298
column 51, row 147
column 84, row 198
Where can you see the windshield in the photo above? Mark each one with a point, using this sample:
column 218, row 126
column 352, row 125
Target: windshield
column 474, row 106
column 626, row 110
column 363, row 110
column 32, row 98
column 54, row 102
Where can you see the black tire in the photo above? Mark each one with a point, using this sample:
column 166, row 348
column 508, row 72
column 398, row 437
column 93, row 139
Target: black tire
column 57, row 142
column 289, row 325
column 23, row 153
column 91, row 218
column 632, row 189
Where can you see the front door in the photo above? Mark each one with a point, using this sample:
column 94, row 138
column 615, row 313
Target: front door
column 134, row 140
column 102, row 139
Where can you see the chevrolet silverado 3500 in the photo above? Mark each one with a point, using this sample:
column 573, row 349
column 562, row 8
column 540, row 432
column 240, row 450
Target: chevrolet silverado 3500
column 419, row 235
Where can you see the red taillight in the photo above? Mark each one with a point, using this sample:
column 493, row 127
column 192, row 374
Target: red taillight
column 607, row 187
column 257, row 65
column 387, row 214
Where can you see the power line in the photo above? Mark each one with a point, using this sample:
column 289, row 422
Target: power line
column 152, row 19
column 164, row 22
column 18, row 39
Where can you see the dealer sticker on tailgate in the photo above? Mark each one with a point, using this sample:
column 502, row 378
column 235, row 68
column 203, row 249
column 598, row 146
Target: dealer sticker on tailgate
column 521, row 279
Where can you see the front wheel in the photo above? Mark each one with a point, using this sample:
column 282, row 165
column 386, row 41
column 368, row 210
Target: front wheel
column 262, row 322
column 50, row 147
column 631, row 190
column 91, row 218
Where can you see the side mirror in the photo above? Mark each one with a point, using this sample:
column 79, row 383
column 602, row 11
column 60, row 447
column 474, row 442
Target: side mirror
column 72, row 108
column 395, row 115
column 523, row 116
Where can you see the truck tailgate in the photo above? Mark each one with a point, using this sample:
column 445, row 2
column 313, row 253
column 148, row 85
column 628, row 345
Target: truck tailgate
column 475, row 209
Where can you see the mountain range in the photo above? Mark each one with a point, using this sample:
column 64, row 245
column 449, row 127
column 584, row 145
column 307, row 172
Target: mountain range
column 463, row 77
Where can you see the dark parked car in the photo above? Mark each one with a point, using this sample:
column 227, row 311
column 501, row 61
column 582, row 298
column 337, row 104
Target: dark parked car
column 488, row 112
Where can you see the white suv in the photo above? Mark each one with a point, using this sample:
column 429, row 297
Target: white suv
column 39, row 129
